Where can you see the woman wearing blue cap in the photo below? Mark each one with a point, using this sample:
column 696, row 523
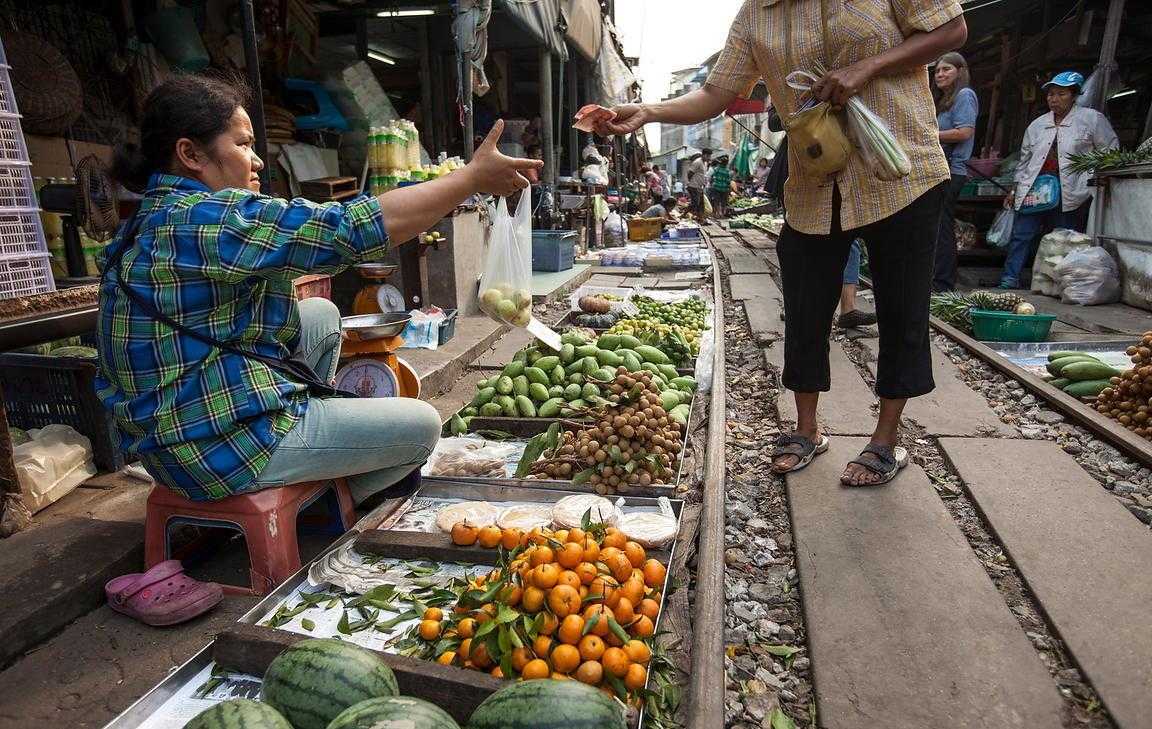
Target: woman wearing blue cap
column 1048, row 195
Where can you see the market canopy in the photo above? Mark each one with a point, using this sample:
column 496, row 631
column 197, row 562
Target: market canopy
column 585, row 30
column 542, row 19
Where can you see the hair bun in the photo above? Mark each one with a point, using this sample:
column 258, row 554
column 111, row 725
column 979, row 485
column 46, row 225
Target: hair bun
column 130, row 168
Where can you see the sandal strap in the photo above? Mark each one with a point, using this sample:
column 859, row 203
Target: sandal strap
column 793, row 444
column 884, row 455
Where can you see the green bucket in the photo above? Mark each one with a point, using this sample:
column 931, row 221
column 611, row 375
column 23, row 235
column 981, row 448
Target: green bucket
column 1004, row 326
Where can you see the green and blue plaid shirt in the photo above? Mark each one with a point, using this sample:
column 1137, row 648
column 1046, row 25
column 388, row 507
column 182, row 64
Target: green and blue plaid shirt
column 205, row 422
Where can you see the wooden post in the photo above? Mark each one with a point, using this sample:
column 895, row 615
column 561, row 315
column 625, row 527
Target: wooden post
column 427, row 116
column 573, row 135
column 546, row 118
column 1108, row 51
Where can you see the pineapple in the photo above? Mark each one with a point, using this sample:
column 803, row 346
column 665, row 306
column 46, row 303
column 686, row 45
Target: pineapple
column 995, row 300
column 952, row 308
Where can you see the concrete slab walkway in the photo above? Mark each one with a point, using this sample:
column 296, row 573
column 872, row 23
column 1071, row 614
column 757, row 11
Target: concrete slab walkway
column 846, row 408
column 906, row 630
column 1082, row 554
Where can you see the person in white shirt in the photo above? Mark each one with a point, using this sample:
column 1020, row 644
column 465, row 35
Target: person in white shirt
column 697, row 179
column 1065, row 130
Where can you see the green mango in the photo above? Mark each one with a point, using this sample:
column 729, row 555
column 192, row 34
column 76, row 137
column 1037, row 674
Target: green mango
column 484, row 395
column 574, row 338
column 567, row 354
column 491, row 410
column 457, row 426
column 589, row 391
column 526, row 407
column 520, row 356
column 575, row 367
column 576, row 379
column 513, row 369
column 609, row 341
column 651, row 354
column 679, row 414
column 558, row 376
column 551, row 408
column 577, row 404
column 608, row 358
column 537, row 392
column 686, row 383
column 547, row 363
column 588, row 350
column 590, row 365
column 535, row 374
column 631, row 362
column 469, row 412
column 504, row 385
column 668, row 371
column 669, row 399
column 534, row 354
column 572, row 392
column 604, row 375
column 556, row 391
column 627, row 341
column 507, row 406
column 520, row 385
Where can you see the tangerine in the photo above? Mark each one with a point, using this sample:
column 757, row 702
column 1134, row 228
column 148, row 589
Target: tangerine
column 560, row 536
column 498, row 672
column 565, row 658
column 576, row 536
column 587, row 572
column 549, row 624
column 591, row 550
column 591, row 647
column 615, row 661
column 545, row 576
column 600, row 628
column 590, row 672
column 447, row 658
column 464, row 534
column 490, row 536
column 510, row 538
column 510, row 595
column 571, row 629
column 520, row 658
column 541, row 554
column 638, row 651
column 633, row 589
column 570, row 555
column 636, row 677
column 429, row 629
column 479, row 656
column 620, row 567
column 433, row 614
column 635, row 553
column 570, row 578
column 538, row 535
column 564, row 600
column 649, row 607
column 542, row 646
column 654, row 573
column 613, row 537
column 532, row 601
column 557, row 676
column 623, row 612
column 465, row 648
column 643, row 627
column 609, row 553
column 536, row 668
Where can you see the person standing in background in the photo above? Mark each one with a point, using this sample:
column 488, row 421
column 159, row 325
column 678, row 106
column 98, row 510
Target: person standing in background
column 697, row 178
column 760, row 174
column 665, row 179
column 720, row 187
column 1066, row 129
column 956, row 110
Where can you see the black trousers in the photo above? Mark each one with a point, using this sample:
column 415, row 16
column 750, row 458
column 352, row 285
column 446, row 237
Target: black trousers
column 901, row 252
column 944, row 278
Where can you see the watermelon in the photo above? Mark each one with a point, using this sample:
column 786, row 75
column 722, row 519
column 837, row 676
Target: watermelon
column 239, row 714
column 316, row 679
column 548, row 703
column 394, row 712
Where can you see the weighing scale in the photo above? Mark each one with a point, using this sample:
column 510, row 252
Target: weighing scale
column 378, row 296
column 369, row 365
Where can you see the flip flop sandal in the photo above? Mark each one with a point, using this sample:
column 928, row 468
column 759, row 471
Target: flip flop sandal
column 887, row 462
column 797, row 445
column 163, row 595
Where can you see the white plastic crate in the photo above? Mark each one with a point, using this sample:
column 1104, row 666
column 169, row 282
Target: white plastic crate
column 23, row 276
column 21, row 233
column 16, row 189
column 12, row 147
column 7, row 95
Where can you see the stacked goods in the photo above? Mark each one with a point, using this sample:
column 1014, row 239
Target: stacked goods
column 1128, row 398
column 1079, row 374
column 953, row 308
column 577, row 603
column 635, row 441
column 598, row 311
column 674, row 328
column 537, row 384
column 692, row 313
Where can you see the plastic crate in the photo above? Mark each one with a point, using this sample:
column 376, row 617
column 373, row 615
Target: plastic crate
column 26, row 275
column 21, row 234
column 447, row 327
column 313, row 285
column 1004, row 326
column 644, row 229
column 553, row 250
column 39, row 391
column 7, row 95
column 12, row 147
column 16, row 189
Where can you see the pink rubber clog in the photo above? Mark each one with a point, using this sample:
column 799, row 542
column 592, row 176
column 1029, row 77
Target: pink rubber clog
column 163, row 595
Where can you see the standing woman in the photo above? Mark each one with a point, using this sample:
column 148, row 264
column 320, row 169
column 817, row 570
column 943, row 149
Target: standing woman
column 877, row 50
column 760, row 174
column 1048, row 195
column 215, row 374
column 956, row 110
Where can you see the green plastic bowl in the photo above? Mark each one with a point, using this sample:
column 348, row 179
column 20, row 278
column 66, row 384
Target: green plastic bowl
column 1004, row 326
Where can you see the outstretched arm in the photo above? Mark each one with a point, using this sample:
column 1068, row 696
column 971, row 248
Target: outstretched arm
column 691, row 108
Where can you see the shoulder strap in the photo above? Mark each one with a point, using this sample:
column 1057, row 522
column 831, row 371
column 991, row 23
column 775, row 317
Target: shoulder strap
column 294, row 368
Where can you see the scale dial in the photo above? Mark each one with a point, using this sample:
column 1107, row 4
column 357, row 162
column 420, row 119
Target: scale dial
column 368, row 378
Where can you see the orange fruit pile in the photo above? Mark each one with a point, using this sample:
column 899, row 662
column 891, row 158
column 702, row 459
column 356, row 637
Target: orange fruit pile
column 567, row 605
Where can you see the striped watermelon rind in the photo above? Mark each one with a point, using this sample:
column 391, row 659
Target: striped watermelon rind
column 239, row 714
column 545, row 703
column 316, row 679
column 394, row 712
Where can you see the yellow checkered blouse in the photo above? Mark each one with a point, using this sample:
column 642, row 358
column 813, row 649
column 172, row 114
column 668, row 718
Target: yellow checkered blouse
column 857, row 29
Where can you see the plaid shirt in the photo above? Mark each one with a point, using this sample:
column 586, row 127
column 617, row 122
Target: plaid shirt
column 721, row 179
column 203, row 421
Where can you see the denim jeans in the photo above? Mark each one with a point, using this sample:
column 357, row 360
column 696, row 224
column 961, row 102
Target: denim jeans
column 1027, row 230
column 373, row 441
column 852, row 270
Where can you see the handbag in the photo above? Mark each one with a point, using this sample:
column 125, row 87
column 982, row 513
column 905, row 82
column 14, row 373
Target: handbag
column 295, row 368
column 1043, row 196
column 817, row 136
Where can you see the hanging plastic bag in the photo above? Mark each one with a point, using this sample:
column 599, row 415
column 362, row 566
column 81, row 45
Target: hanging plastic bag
column 506, row 286
column 1001, row 231
column 1088, row 277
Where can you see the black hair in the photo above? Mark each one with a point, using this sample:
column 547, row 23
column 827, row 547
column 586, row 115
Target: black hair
column 669, row 203
column 706, row 152
column 192, row 107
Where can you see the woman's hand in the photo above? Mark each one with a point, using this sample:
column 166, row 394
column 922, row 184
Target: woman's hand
column 836, row 87
column 496, row 173
column 629, row 118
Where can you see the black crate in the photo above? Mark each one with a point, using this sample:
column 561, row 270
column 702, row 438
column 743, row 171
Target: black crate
column 447, row 327
column 39, row 391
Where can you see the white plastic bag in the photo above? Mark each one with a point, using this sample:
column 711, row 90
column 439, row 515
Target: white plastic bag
column 1050, row 253
column 1089, row 276
column 506, row 286
column 473, row 457
column 613, row 230
column 55, row 461
column 423, row 331
column 1001, row 231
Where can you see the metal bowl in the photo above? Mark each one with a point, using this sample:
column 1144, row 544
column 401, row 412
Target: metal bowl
column 374, row 326
column 376, row 270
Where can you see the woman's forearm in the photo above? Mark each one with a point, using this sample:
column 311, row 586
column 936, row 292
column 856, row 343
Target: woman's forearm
column 691, row 108
column 409, row 211
column 950, row 136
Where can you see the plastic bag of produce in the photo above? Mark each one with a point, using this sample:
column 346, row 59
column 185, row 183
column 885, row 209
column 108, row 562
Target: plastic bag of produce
column 473, row 457
column 1089, row 276
column 1001, row 231
column 506, row 286
column 1050, row 253
column 614, row 230
column 55, row 461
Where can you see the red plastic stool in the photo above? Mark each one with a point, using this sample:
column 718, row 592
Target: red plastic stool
column 267, row 518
